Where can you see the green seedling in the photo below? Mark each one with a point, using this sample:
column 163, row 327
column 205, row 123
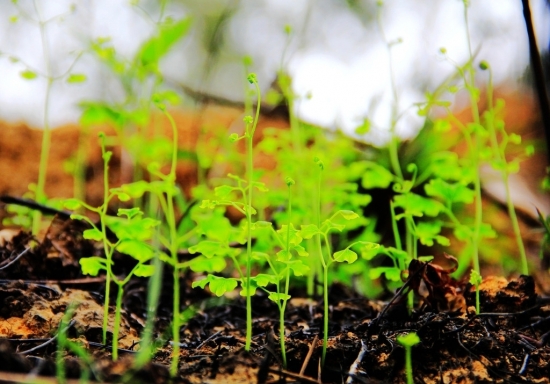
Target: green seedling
column 246, row 208
column 496, row 130
column 31, row 74
column 132, row 236
column 408, row 341
column 326, row 257
column 288, row 239
column 64, row 343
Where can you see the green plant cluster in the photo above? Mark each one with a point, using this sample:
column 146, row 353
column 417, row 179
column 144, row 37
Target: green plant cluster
column 309, row 222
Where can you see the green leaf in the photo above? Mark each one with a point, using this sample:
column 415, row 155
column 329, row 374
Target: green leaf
column 301, row 251
column 428, row 231
column 284, row 256
column 76, row 78
column 28, row 75
column 93, row 234
column 99, row 114
column 223, row 191
column 92, row 265
column 72, row 204
column 345, row 255
column 158, row 46
column 276, row 297
column 135, row 190
column 263, row 280
column 475, row 278
column 376, row 176
column 208, row 264
column 408, row 340
column 391, row 273
column 137, row 249
column 209, row 248
column 143, row 270
column 298, row 267
column 331, row 224
column 262, row 224
column 295, row 237
column 348, row 215
column 246, row 290
column 449, row 192
column 260, row 186
column 129, row 212
column 416, row 205
column 310, row 230
column 218, row 285
column 486, row 231
column 135, row 229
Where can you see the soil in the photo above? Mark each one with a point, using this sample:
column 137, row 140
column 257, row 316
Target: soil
column 40, row 277
column 505, row 342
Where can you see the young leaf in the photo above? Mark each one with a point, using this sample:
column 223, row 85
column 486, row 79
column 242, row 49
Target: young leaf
column 416, row 205
column 208, row 264
column 284, row 256
column 143, row 270
column 310, row 230
column 298, row 267
column 301, row 251
column 275, row 297
column 92, row 265
column 345, row 255
column 391, row 273
column 452, row 193
column 28, row 75
column 137, row 249
column 408, row 340
column 429, row 231
column 218, row 285
column 158, row 46
column 76, row 78
column 376, row 176
column 295, row 237
column 93, row 234
column 72, row 204
column 209, row 248
column 223, row 191
column 348, row 215
column 263, row 280
column 137, row 189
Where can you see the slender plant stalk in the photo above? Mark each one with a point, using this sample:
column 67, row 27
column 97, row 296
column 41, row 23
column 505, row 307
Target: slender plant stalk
column 170, row 180
column 106, row 245
column 46, row 136
column 501, row 158
column 474, row 152
column 287, row 282
column 251, row 128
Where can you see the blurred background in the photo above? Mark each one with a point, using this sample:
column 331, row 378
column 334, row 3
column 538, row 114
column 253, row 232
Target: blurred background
column 336, row 52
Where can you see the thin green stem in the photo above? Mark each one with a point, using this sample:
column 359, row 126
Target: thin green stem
column 116, row 325
column 40, row 194
column 250, row 173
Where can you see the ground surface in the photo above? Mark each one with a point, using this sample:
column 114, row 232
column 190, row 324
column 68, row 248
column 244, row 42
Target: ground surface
column 506, row 342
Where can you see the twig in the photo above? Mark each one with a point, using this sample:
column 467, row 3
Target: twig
column 49, row 340
column 524, row 365
column 14, row 260
column 283, row 372
column 355, row 366
column 309, row 353
column 207, row 340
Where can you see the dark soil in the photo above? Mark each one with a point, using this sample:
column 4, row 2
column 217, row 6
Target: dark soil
column 506, row 342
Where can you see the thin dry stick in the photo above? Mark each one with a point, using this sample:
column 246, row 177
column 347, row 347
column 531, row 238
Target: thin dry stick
column 309, row 353
column 282, row 372
column 355, row 366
